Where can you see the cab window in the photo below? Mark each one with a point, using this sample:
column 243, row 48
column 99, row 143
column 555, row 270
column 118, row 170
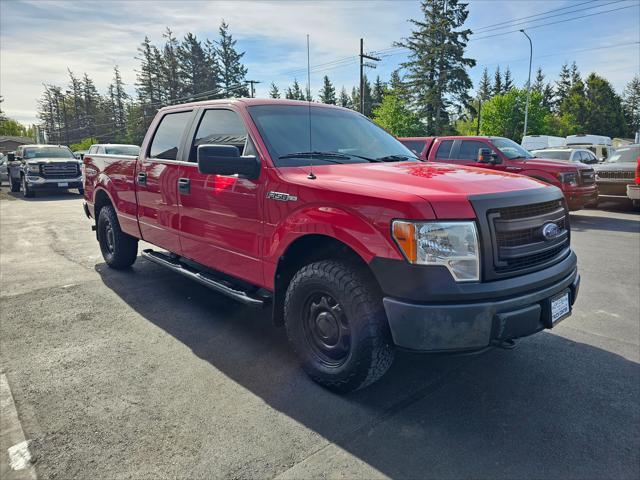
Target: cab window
column 166, row 140
column 221, row 127
column 469, row 149
column 444, row 149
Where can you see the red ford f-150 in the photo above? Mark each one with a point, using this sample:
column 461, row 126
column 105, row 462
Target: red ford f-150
column 356, row 245
column 577, row 181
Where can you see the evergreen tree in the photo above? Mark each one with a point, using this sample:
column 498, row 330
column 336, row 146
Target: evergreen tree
column 604, row 112
column 148, row 77
column 575, row 74
column 485, row 88
column 295, row 92
column 379, row 89
column 508, row 81
column 328, row 92
column 274, row 92
column 436, row 67
column 232, row 71
column 563, row 85
column 631, row 106
column 119, row 99
column 394, row 116
column 74, row 94
column 368, row 100
column 343, row 99
column 538, row 84
column 497, row 82
column 195, row 68
column 91, row 101
column 170, row 68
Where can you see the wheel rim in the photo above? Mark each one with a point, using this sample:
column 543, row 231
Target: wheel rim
column 109, row 237
column 326, row 329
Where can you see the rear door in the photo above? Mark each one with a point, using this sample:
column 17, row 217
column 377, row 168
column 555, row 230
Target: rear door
column 157, row 181
column 220, row 223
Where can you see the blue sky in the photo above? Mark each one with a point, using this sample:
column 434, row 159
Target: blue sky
column 40, row 39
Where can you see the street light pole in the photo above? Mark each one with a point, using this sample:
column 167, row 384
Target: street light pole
column 526, row 108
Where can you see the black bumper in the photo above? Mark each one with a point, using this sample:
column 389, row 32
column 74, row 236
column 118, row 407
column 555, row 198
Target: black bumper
column 471, row 316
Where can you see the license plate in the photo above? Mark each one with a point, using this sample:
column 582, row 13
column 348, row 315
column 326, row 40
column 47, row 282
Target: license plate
column 63, row 184
column 560, row 307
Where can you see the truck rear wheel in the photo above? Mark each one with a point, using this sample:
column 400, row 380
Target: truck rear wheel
column 119, row 250
column 336, row 322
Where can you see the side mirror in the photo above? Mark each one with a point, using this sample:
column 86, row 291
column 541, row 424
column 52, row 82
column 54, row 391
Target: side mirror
column 11, row 157
column 226, row 160
column 486, row 155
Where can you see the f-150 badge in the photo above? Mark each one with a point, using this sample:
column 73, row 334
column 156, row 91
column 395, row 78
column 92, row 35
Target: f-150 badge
column 282, row 197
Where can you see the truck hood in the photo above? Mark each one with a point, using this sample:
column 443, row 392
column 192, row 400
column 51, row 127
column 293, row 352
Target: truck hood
column 442, row 185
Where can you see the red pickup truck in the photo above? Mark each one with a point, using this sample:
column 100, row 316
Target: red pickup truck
column 356, row 245
column 577, row 181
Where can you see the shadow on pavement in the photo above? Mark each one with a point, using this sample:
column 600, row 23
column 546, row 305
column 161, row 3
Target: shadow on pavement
column 43, row 196
column 582, row 223
column 552, row 408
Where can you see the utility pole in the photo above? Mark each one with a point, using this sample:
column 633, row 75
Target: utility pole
column 252, row 83
column 362, row 65
column 526, row 108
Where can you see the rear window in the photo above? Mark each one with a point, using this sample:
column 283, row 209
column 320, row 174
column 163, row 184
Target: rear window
column 415, row 145
column 166, row 140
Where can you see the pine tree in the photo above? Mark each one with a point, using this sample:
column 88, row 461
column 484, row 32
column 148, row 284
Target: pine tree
column 538, row 84
column 343, row 99
column 497, row 82
column 436, row 67
column 631, row 106
column 170, row 68
column 544, row 89
column 508, row 81
column 119, row 100
column 148, row 77
column 75, row 93
column 295, row 92
column 484, row 87
column 194, row 68
column 563, row 85
column 379, row 89
column 273, row 91
column 397, row 86
column 328, row 92
column 232, row 71
column 91, row 101
column 603, row 112
column 575, row 74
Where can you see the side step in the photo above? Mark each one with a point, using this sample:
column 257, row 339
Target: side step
column 203, row 278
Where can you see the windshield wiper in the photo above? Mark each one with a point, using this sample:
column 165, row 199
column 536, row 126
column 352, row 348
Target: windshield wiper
column 320, row 155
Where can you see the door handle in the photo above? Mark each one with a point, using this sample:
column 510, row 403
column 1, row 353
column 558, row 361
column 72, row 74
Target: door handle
column 142, row 178
column 184, row 186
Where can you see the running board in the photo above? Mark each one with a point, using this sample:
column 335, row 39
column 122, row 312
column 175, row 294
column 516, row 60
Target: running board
column 203, row 278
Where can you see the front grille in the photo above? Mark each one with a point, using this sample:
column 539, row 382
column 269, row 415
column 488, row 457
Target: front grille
column 616, row 175
column 517, row 238
column 587, row 177
column 60, row 170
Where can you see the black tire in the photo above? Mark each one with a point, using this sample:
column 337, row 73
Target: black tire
column 15, row 185
column 119, row 250
column 26, row 191
column 335, row 320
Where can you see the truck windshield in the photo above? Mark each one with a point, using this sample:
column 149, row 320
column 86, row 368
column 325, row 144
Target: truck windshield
column 335, row 136
column 47, row 152
column 510, row 149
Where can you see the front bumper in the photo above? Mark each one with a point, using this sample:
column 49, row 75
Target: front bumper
column 578, row 197
column 41, row 183
column 475, row 316
column 633, row 192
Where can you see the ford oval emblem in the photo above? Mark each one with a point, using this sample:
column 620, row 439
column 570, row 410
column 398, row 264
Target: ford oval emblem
column 550, row 231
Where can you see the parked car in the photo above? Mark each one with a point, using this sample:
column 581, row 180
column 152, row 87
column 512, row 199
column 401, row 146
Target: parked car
column 600, row 145
column 4, row 169
column 618, row 171
column 44, row 167
column 580, row 155
column 501, row 154
column 114, row 149
column 356, row 245
column 538, row 142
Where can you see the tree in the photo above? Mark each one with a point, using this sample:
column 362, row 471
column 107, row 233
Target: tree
column 497, row 82
column 379, row 89
column 394, row 116
column 631, row 105
column 195, row 68
column 232, row 71
column 544, row 89
column 484, row 87
column 170, row 80
column 508, row 81
column 9, row 126
column 328, row 92
column 368, row 100
column 273, row 91
column 343, row 99
column 119, row 100
column 295, row 92
column 575, row 74
column 436, row 66
column 397, row 85
column 148, row 77
column 503, row 115
column 604, row 112
column 563, row 85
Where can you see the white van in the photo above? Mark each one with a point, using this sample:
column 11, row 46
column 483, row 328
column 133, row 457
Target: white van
column 600, row 145
column 539, row 142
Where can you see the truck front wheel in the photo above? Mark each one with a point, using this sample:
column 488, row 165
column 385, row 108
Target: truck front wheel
column 336, row 322
column 119, row 250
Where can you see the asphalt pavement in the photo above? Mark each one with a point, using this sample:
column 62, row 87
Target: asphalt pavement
column 145, row 374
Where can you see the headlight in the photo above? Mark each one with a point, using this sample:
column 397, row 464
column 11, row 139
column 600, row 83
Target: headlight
column 453, row 245
column 568, row 178
column 33, row 168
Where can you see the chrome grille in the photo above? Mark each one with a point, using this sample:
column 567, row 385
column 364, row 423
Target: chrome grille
column 60, row 170
column 616, row 175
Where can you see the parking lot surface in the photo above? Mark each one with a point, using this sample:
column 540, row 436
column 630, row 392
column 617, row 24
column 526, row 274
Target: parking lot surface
column 145, row 374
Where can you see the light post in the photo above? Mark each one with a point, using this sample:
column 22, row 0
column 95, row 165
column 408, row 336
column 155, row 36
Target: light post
column 526, row 108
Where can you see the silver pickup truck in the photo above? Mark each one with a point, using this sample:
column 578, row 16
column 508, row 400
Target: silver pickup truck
column 616, row 177
column 44, row 167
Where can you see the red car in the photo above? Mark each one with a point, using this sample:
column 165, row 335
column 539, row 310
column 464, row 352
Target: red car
column 356, row 245
column 577, row 181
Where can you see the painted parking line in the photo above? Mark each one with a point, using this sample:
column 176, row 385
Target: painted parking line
column 15, row 460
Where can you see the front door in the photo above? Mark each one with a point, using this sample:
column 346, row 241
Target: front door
column 220, row 224
column 157, row 183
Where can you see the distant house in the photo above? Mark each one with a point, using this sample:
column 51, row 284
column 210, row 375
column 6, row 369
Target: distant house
column 9, row 143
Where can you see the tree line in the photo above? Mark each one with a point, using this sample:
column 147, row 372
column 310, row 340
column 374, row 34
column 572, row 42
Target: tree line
column 428, row 95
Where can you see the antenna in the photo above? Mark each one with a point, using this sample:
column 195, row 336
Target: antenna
column 311, row 176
